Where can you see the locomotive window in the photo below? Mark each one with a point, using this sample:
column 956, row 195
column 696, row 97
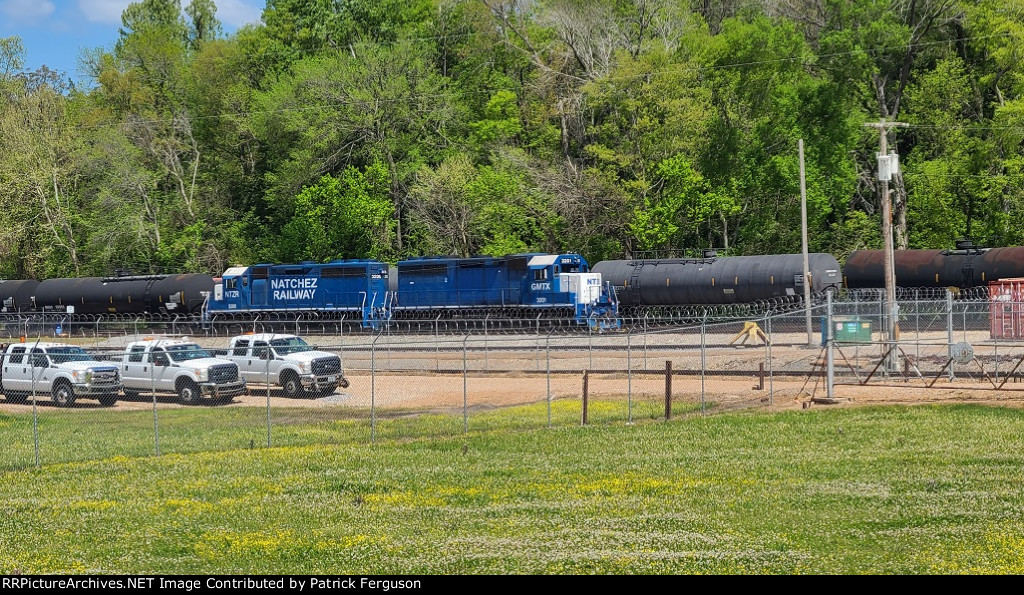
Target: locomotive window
column 136, row 354
column 558, row 270
column 245, row 281
column 540, row 274
column 17, row 355
column 230, row 283
column 240, row 348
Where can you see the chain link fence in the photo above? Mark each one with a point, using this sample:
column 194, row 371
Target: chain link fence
column 443, row 378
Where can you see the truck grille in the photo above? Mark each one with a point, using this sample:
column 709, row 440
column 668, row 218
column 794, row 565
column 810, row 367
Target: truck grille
column 223, row 373
column 104, row 376
column 326, row 366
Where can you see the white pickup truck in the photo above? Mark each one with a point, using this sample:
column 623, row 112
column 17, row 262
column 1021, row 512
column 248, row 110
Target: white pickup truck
column 285, row 361
column 181, row 367
column 65, row 372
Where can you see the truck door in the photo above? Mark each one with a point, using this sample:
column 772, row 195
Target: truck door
column 259, row 363
column 133, row 367
column 163, row 374
column 240, row 355
column 40, row 371
column 16, row 370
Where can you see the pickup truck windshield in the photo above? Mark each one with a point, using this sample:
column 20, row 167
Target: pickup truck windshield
column 181, row 353
column 292, row 345
column 63, row 355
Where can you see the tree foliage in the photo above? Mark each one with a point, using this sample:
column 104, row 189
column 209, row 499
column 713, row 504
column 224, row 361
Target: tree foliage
column 385, row 129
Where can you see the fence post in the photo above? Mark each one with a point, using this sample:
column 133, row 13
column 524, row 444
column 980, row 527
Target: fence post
column 547, row 353
column 152, row 394
column 771, row 378
column 586, row 378
column 35, row 414
column 465, row 390
column 703, row 361
column 629, row 379
column 949, row 331
column 373, row 389
column 668, row 389
column 267, row 379
column 831, row 374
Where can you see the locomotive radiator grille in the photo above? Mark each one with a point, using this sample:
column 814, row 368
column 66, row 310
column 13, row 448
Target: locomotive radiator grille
column 326, row 366
column 223, row 373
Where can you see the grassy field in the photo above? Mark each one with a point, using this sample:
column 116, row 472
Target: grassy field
column 926, row 489
column 68, row 435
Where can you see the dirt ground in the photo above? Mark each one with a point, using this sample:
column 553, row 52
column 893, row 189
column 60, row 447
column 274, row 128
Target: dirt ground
column 437, row 392
column 431, row 379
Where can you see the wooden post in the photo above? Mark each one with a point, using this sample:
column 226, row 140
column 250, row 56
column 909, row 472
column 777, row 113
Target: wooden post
column 586, row 383
column 760, row 377
column 668, row 389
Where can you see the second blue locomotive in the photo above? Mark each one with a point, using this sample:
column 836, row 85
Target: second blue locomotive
column 513, row 286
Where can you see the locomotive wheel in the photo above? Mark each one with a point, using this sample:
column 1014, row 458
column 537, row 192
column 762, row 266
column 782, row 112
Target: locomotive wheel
column 63, row 395
column 291, row 385
column 188, row 393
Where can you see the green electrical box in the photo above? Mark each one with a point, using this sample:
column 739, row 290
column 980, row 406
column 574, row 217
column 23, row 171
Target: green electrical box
column 848, row 329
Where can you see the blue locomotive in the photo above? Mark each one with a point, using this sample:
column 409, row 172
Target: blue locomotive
column 514, row 286
column 359, row 287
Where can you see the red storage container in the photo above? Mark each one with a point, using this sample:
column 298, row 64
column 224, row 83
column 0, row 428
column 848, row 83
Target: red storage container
column 1006, row 307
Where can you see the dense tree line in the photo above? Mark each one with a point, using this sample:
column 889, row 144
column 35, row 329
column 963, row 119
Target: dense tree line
column 389, row 128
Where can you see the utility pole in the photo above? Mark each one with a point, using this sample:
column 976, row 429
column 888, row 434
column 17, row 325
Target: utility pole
column 803, row 234
column 887, row 163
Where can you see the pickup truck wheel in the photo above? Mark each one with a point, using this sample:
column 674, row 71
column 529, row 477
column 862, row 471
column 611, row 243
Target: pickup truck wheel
column 108, row 400
column 188, row 392
column 291, row 385
column 62, row 394
column 131, row 394
column 343, row 383
column 16, row 397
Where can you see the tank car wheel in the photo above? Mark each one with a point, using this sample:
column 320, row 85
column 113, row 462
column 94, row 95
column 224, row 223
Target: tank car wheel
column 291, row 385
column 63, row 395
column 13, row 397
column 108, row 400
column 188, row 393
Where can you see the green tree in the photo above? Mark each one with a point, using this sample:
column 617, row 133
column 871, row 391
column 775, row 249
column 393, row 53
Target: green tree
column 342, row 217
column 203, row 24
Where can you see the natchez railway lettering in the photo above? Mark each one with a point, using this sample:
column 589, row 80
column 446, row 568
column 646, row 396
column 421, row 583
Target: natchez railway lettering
column 294, row 288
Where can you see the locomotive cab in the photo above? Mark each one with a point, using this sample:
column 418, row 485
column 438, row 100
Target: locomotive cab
column 565, row 280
